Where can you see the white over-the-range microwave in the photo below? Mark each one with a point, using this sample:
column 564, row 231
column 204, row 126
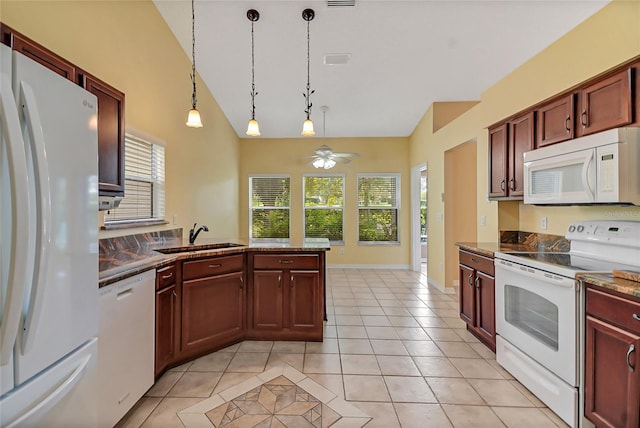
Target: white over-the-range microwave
column 602, row 168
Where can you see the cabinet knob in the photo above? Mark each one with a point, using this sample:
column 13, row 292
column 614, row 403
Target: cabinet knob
column 215, row 266
column 502, row 183
column 477, row 281
column 636, row 317
column 167, row 276
column 470, row 280
column 175, row 294
column 285, row 262
column 241, row 283
column 291, row 281
column 512, row 184
column 279, row 281
column 632, row 349
column 583, row 119
column 566, row 124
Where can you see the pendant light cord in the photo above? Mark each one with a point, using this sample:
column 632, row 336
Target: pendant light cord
column 253, row 74
column 308, row 94
column 193, row 53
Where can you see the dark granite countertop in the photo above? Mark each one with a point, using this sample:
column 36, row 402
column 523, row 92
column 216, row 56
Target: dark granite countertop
column 488, row 249
column 120, row 263
column 609, row 282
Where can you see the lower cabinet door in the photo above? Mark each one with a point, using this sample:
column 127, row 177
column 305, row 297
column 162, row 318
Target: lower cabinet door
column 212, row 311
column 467, row 298
column 268, row 300
column 612, row 376
column 304, row 300
column 166, row 307
column 486, row 307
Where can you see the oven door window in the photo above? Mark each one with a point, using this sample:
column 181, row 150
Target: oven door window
column 532, row 314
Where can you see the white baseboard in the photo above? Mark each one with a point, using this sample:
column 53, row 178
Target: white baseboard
column 363, row 266
column 442, row 288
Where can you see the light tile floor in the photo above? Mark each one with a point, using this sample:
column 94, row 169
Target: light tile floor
column 394, row 347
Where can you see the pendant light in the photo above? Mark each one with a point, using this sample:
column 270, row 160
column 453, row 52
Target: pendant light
column 253, row 129
column 307, row 127
column 193, row 120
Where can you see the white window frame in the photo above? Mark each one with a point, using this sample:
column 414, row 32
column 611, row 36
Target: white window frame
column 325, row 207
column 157, row 181
column 396, row 207
column 251, row 207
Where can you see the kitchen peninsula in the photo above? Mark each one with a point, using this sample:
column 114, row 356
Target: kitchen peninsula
column 219, row 292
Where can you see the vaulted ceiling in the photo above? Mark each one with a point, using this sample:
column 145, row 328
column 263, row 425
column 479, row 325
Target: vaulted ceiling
column 404, row 55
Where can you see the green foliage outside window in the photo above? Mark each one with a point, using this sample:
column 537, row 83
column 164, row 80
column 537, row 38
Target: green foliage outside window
column 323, row 202
column 270, row 201
column 378, row 208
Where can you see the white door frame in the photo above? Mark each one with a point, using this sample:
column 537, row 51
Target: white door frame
column 416, row 258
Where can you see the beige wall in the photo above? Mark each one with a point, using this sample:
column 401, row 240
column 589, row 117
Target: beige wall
column 128, row 45
column 377, row 155
column 589, row 49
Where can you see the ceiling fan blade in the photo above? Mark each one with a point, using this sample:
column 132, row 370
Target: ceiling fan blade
column 341, row 160
column 346, row 155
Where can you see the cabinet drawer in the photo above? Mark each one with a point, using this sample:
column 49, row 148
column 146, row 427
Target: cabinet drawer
column 286, row 261
column 616, row 310
column 165, row 276
column 481, row 263
column 212, row 266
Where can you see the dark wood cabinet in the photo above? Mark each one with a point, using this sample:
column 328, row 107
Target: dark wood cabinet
column 213, row 305
column 286, row 297
column 477, row 296
column 20, row 43
column 606, row 103
column 110, row 108
column 167, row 318
column 498, row 161
column 507, row 143
column 556, row 121
column 110, row 135
column 612, row 371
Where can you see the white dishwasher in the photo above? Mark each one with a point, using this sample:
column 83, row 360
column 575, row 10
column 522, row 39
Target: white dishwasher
column 125, row 345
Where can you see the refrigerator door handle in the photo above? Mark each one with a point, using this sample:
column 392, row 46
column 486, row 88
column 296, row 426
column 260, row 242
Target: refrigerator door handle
column 19, row 237
column 52, row 399
column 43, row 210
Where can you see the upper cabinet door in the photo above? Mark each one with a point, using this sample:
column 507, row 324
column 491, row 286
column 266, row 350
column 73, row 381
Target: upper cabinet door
column 520, row 141
column 38, row 53
column 556, row 121
column 606, row 104
column 498, row 161
column 110, row 135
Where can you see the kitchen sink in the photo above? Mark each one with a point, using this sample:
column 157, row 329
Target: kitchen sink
column 203, row 247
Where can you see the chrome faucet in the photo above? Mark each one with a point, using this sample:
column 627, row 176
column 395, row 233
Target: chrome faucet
column 193, row 233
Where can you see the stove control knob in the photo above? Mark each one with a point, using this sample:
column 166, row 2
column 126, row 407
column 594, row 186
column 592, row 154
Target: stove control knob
column 580, row 228
column 572, row 228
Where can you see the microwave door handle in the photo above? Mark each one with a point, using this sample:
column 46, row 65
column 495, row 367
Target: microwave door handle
column 586, row 169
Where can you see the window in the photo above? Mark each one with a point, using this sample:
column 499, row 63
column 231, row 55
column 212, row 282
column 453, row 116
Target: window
column 269, row 206
column 143, row 185
column 323, row 206
column 378, row 208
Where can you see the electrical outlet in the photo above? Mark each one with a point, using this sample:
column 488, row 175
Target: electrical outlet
column 543, row 223
column 341, row 250
column 175, row 219
column 483, row 220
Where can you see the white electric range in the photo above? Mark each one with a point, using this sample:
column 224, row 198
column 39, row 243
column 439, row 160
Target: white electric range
column 540, row 310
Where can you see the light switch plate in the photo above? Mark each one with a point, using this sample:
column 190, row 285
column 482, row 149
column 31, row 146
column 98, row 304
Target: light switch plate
column 543, row 223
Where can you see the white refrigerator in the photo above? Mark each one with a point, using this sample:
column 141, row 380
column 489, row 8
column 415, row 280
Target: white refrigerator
column 49, row 248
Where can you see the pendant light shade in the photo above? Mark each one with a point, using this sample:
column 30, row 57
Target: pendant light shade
column 307, row 126
column 193, row 119
column 253, row 130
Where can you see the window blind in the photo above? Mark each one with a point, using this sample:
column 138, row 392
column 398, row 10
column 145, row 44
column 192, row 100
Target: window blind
column 269, row 206
column 378, row 208
column 323, row 207
column 144, row 170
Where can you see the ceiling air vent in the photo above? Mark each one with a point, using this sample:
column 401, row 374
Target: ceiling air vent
column 337, row 59
column 341, row 3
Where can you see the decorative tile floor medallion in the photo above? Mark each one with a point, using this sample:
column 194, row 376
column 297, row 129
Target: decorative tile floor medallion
column 278, row 398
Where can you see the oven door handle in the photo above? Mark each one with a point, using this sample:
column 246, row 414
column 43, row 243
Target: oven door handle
column 540, row 275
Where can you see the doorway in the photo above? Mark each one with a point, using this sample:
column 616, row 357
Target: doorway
column 419, row 235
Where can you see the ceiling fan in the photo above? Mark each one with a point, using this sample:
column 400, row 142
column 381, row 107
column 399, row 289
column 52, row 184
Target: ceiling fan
column 324, row 156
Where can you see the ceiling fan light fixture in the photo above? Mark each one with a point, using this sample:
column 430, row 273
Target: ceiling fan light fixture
column 318, row 163
column 329, row 163
column 193, row 119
